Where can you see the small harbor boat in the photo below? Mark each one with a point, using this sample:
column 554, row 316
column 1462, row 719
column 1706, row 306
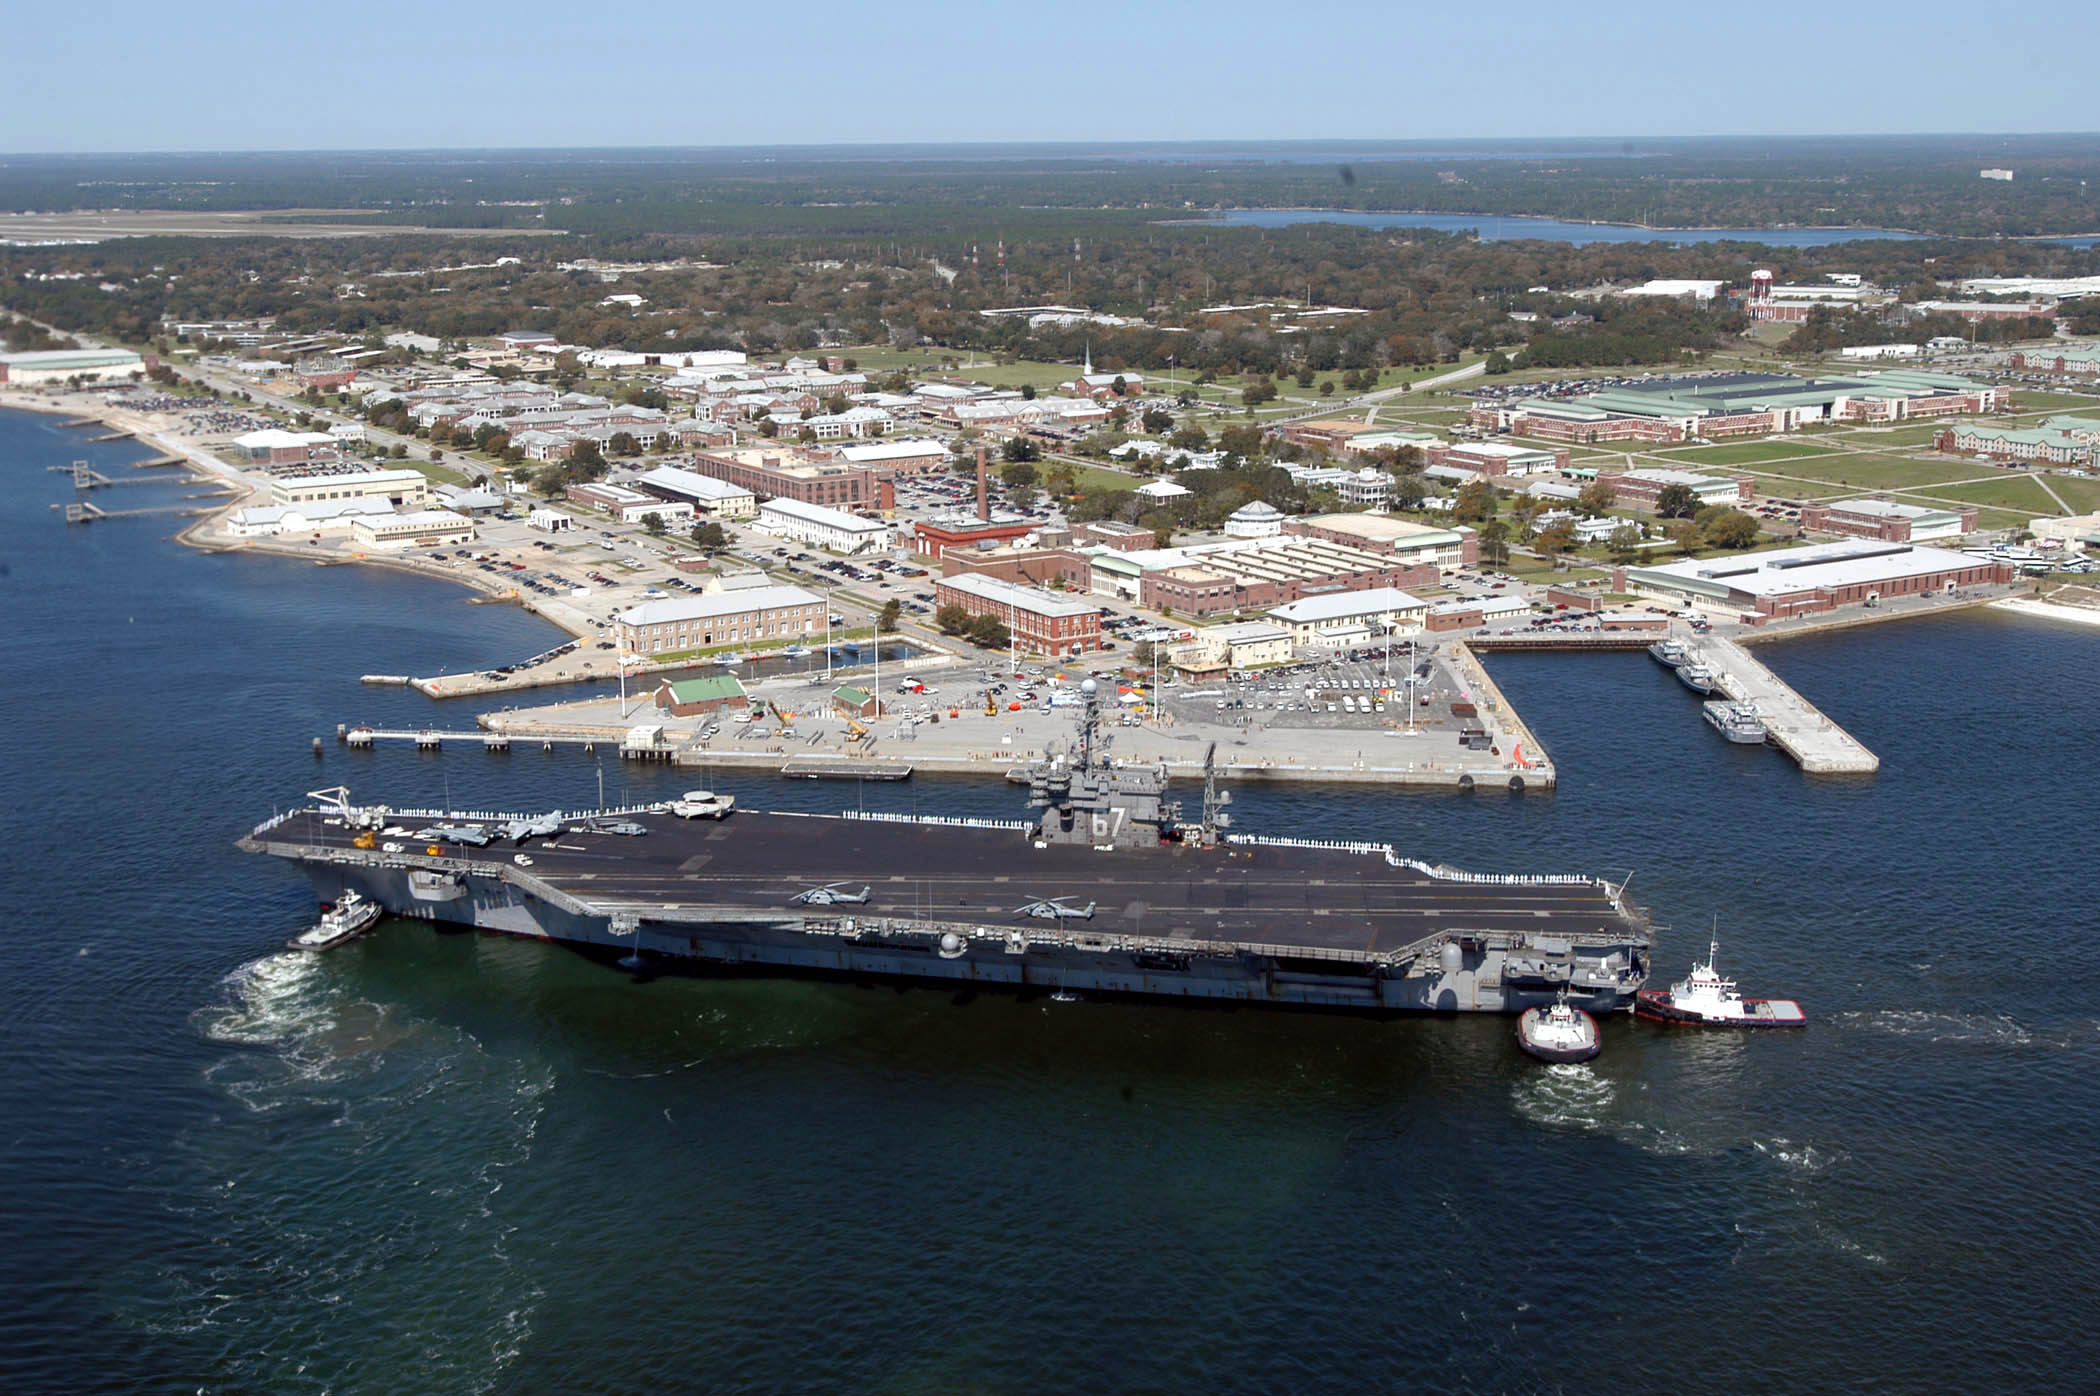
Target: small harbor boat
column 1704, row 998
column 1695, row 676
column 1739, row 722
column 1669, row 652
column 1558, row 1032
column 352, row 914
column 729, row 661
column 796, row 652
column 702, row 804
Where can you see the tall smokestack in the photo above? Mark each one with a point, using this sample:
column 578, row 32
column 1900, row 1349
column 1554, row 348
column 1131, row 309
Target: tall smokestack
column 984, row 508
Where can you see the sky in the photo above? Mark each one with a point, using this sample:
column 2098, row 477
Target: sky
column 383, row 74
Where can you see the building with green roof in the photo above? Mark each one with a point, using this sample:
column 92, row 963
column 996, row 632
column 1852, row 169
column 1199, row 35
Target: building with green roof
column 694, row 697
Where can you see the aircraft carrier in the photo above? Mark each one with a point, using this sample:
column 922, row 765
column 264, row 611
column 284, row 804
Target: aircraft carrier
column 1104, row 892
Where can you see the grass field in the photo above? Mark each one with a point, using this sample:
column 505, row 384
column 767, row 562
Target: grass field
column 1881, row 438
column 1772, row 486
column 2081, row 495
column 2019, row 493
column 1749, row 452
column 1881, row 472
column 2026, row 403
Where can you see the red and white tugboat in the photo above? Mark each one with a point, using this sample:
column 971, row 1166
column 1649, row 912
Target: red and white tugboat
column 1705, row 999
column 1559, row 1032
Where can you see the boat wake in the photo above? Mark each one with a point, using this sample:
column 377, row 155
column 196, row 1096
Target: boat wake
column 1962, row 1029
column 361, row 1175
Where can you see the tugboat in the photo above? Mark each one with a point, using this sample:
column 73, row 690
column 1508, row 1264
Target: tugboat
column 1696, row 676
column 1559, row 1032
column 1705, row 999
column 1669, row 652
column 1739, row 722
column 352, row 914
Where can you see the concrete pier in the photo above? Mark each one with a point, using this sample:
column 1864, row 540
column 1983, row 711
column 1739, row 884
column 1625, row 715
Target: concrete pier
column 1794, row 724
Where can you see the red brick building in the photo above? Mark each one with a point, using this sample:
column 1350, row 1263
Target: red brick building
column 780, row 472
column 1042, row 622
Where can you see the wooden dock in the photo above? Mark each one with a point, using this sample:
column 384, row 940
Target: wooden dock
column 1794, row 724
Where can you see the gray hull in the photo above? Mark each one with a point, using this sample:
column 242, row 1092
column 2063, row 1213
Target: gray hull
column 1483, row 977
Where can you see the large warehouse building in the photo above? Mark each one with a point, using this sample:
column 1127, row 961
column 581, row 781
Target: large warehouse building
column 744, row 616
column 1887, row 521
column 1682, row 407
column 57, row 365
column 1771, row 585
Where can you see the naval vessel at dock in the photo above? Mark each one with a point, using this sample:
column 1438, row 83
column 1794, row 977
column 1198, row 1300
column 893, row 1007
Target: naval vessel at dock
column 1105, row 891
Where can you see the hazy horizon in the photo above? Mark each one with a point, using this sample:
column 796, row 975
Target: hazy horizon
column 532, row 75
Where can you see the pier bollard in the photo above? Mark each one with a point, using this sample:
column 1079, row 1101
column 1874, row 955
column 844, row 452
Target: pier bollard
column 342, row 731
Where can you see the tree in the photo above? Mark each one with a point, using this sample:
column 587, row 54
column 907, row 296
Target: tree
column 1190, row 438
column 1061, row 478
column 1625, row 542
column 886, row 620
column 769, row 428
column 1498, row 362
column 1731, row 529
column 1023, row 496
column 1676, row 502
column 653, row 524
column 710, row 535
column 1021, row 448
column 1556, row 538
column 1187, row 397
column 1156, row 420
column 1028, row 392
column 988, row 632
column 1018, row 475
column 1597, row 497
column 1683, row 535
column 1494, row 543
column 1247, row 442
column 1257, row 393
column 952, row 619
column 1407, row 492
column 1476, row 501
column 1327, row 388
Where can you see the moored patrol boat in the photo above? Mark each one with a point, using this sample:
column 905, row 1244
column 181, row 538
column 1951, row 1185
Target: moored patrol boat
column 1106, row 890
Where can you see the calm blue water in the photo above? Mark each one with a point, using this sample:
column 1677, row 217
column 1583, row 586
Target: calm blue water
column 1504, row 228
column 439, row 1162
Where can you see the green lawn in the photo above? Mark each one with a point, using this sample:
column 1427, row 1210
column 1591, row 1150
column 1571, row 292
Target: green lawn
column 1771, row 486
column 2081, row 495
column 1881, row 472
column 2026, row 403
column 1749, row 452
column 438, row 474
column 2019, row 493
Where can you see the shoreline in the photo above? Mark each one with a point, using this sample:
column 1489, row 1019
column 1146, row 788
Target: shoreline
column 1218, row 218
column 2049, row 610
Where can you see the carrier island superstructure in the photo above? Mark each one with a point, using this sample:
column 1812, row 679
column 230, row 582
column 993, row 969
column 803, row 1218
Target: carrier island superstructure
column 1105, row 891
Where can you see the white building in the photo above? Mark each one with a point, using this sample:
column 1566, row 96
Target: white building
column 550, row 521
column 1253, row 644
column 1258, row 519
column 400, row 488
column 1159, row 491
column 419, row 528
column 1347, row 617
column 736, row 617
column 819, row 527
column 1697, row 290
column 717, row 497
column 57, row 365
column 273, row 520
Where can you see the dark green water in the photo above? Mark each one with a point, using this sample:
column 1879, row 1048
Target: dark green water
column 447, row 1163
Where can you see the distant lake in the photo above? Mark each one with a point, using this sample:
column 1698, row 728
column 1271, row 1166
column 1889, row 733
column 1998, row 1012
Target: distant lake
column 1507, row 228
